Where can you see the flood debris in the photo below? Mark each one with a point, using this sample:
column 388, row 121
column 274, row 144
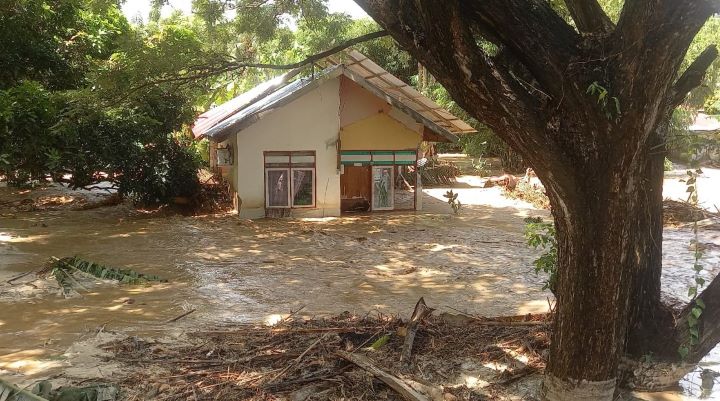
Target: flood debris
column 329, row 358
column 69, row 270
column 176, row 318
column 43, row 391
column 420, row 312
column 677, row 212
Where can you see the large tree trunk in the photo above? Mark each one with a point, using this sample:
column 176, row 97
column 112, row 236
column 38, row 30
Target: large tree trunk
column 602, row 232
column 583, row 109
column 651, row 323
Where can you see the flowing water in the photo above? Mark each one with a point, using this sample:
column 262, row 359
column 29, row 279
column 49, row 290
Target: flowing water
column 228, row 269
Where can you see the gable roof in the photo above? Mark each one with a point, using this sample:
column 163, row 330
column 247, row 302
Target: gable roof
column 394, row 87
column 237, row 114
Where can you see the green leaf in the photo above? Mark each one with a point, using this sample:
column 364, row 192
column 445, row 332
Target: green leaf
column 700, row 281
column 700, row 303
column 694, row 332
column 684, row 351
column 696, row 311
column 380, row 342
column 692, row 292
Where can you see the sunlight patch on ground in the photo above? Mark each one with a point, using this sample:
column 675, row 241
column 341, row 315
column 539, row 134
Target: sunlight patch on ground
column 24, row 362
column 536, row 306
column 30, row 238
column 474, row 382
column 272, row 320
column 319, row 219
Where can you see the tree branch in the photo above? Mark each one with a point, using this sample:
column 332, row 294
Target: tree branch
column 440, row 36
column 202, row 72
column 535, row 34
column 693, row 76
column 589, row 17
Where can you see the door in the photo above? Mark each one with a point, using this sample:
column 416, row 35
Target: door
column 382, row 188
column 355, row 192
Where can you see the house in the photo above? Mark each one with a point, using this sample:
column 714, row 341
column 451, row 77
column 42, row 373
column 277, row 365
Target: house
column 345, row 138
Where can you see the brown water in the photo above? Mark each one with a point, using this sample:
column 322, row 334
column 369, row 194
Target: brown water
column 237, row 270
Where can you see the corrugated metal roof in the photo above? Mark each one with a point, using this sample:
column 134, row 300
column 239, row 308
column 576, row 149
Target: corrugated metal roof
column 406, row 94
column 250, row 113
column 233, row 116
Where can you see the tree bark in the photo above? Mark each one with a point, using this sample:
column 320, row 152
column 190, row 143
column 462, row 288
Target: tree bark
column 584, row 111
column 651, row 327
column 601, row 236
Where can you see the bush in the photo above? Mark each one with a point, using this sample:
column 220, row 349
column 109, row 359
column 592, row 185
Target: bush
column 27, row 111
column 134, row 150
column 71, row 138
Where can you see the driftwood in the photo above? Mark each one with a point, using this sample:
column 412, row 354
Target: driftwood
column 395, row 383
column 420, row 312
column 175, row 319
column 19, row 276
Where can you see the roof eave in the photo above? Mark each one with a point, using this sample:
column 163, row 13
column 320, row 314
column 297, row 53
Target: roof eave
column 431, row 125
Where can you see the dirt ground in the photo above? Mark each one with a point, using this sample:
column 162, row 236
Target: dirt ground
column 231, row 271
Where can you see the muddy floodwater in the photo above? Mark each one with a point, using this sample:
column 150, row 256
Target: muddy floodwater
column 228, row 269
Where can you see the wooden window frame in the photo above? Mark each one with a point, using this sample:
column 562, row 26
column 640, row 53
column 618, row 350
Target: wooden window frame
column 290, row 167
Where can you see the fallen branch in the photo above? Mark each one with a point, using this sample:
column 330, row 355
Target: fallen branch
column 175, row 319
column 18, row 277
column 420, row 312
column 395, row 383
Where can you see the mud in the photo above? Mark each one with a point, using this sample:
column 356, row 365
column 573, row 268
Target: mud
column 232, row 270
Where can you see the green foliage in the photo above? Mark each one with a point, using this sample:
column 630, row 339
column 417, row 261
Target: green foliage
column 452, row 200
column 64, row 108
column 609, row 104
column 696, row 311
column 124, row 276
column 541, row 235
column 667, row 165
column 27, row 113
column 474, row 145
column 65, row 270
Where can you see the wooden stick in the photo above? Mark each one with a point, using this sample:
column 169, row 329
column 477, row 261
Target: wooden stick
column 175, row 319
column 395, row 383
column 18, row 277
column 420, row 312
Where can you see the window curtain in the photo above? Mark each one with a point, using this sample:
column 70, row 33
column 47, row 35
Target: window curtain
column 298, row 176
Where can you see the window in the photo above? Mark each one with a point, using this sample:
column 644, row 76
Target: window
column 290, row 179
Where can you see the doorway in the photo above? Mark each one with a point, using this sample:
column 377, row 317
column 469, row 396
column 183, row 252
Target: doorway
column 355, row 189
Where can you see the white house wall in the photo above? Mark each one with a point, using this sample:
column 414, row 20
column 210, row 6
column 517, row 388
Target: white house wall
column 310, row 122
